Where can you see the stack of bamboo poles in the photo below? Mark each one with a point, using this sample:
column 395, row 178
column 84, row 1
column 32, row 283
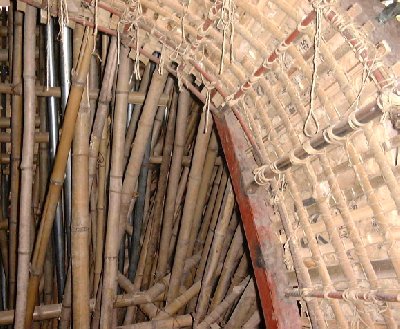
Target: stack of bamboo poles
column 148, row 235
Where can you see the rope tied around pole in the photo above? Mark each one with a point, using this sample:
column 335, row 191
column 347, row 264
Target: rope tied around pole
column 226, row 23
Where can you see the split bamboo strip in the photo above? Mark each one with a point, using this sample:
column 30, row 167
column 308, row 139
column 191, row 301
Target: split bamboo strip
column 161, row 189
column 112, row 244
column 213, row 204
column 102, row 108
column 205, row 182
column 180, row 321
column 199, row 154
column 57, row 176
column 225, row 304
column 173, row 181
column 232, row 259
column 80, row 223
column 213, row 257
column 243, row 308
column 101, row 211
column 253, row 322
column 25, row 215
column 16, row 136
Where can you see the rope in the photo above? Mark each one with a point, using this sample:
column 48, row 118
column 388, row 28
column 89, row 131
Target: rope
column 226, row 23
column 317, row 41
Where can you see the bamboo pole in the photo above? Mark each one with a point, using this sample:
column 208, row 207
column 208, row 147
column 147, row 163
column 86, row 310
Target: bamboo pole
column 16, row 136
column 161, row 188
column 215, row 251
column 205, row 182
column 139, row 145
column 80, row 224
column 225, row 304
column 202, row 140
column 180, row 321
column 101, row 211
column 57, row 176
column 173, row 181
column 102, row 108
column 230, row 263
column 25, row 218
column 243, row 308
column 254, row 321
column 112, row 242
column 130, row 133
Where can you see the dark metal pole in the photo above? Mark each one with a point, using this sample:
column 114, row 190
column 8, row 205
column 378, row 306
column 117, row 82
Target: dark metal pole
column 53, row 110
column 66, row 67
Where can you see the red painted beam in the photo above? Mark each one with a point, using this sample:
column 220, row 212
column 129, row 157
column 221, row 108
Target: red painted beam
column 265, row 249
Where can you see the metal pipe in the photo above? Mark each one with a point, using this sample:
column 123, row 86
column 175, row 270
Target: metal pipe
column 349, row 294
column 326, row 137
column 52, row 104
column 66, row 67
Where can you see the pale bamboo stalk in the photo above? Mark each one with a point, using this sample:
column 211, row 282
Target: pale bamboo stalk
column 80, row 223
column 101, row 211
column 159, row 118
column 25, row 215
column 213, row 207
column 240, row 273
column 230, row 263
column 139, row 145
column 96, row 313
column 180, row 321
column 161, row 189
column 57, row 176
column 16, row 136
column 254, row 321
column 180, row 302
column 202, row 140
column 209, row 233
column 225, row 304
column 243, row 308
column 130, row 133
column 48, row 280
column 205, row 182
column 109, row 288
column 213, row 257
column 102, row 108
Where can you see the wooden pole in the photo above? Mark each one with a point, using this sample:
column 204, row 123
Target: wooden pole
column 116, row 172
column 57, row 176
column 16, row 136
column 25, row 218
column 80, row 224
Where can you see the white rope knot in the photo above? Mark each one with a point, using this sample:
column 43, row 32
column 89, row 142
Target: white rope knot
column 296, row 160
column 207, row 103
column 259, row 175
column 226, row 23
column 331, row 138
column 353, row 122
column 309, row 149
